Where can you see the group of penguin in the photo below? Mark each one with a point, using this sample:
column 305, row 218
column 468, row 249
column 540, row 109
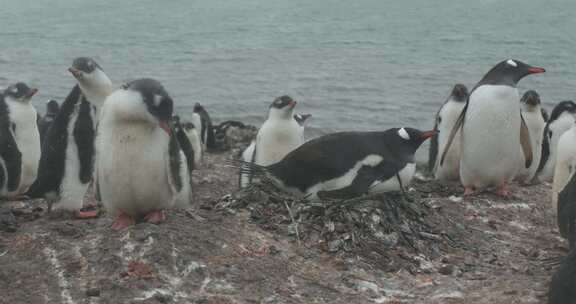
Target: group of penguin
column 130, row 146
column 125, row 142
column 485, row 138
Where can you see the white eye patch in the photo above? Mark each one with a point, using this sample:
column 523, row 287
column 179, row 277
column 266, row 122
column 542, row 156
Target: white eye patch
column 402, row 133
column 511, row 62
column 157, row 100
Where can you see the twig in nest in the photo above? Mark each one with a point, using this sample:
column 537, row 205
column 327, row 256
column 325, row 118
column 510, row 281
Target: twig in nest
column 294, row 222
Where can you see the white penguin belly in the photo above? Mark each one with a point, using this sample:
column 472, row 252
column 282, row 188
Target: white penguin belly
column 133, row 168
column 491, row 137
column 392, row 183
column 558, row 127
column 535, row 124
column 450, row 170
column 275, row 140
column 565, row 164
column 27, row 139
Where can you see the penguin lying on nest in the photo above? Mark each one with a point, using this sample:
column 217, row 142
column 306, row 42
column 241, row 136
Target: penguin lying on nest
column 346, row 164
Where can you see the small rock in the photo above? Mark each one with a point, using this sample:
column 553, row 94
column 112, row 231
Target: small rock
column 163, row 298
column 446, row 269
column 93, row 292
column 370, row 288
column 8, row 222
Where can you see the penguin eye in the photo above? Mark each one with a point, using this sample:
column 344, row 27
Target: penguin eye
column 511, row 62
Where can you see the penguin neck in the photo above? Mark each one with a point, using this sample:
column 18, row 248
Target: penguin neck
column 279, row 114
column 97, row 89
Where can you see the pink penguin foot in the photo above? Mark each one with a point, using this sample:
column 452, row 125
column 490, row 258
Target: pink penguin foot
column 123, row 221
column 156, row 217
column 469, row 191
column 82, row 215
column 502, row 190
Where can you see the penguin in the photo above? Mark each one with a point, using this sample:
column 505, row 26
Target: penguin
column 445, row 119
column 493, row 130
column 346, row 164
column 531, row 110
column 278, row 135
column 134, row 185
column 566, row 212
column 561, row 119
column 562, row 286
column 194, row 139
column 68, row 153
column 19, row 141
column 565, row 163
column 52, row 108
column 201, row 119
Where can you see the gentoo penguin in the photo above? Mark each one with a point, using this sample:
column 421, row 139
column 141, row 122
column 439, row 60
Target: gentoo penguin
column 566, row 214
column 52, row 108
column 563, row 285
column 68, row 153
column 141, row 167
column 194, row 139
column 562, row 118
column 565, row 163
column 277, row 136
column 347, row 164
column 19, row 140
column 301, row 119
column 493, row 130
column 202, row 121
column 532, row 114
column 445, row 119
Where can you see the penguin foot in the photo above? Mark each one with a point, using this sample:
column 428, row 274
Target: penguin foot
column 156, row 217
column 469, row 191
column 123, row 221
column 82, row 215
column 502, row 190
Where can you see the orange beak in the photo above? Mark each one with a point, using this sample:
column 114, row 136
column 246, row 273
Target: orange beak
column 32, row 93
column 165, row 126
column 428, row 134
column 75, row 72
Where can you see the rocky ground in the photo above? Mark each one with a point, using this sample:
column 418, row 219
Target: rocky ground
column 485, row 250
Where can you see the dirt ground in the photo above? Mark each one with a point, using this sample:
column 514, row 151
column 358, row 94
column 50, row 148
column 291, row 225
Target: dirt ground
column 209, row 255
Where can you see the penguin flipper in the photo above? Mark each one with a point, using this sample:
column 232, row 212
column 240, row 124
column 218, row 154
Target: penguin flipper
column 525, row 142
column 458, row 125
column 545, row 150
column 433, row 150
column 174, row 178
column 567, row 209
column 365, row 177
column 12, row 159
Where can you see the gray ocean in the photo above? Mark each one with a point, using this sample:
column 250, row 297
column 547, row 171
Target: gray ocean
column 354, row 65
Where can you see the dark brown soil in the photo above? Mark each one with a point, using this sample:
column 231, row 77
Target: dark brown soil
column 222, row 255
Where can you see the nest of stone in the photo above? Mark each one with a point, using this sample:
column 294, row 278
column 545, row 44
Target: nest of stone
column 388, row 230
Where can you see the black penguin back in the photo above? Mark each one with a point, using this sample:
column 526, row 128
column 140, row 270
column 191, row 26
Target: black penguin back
column 9, row 151
column 53, row 158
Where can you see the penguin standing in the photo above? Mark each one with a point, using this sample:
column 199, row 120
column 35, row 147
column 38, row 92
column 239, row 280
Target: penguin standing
column 68, row 154
column 136, row 185
column 445, row 120
column 194, row 139
column 248, row 153
column 565, row 163
column 493, row 130
column 19, row 140
column 347, row 164
column 532, row 114
column 278, row 135
column 562, row 118
column 201, row 119
column 52, row 108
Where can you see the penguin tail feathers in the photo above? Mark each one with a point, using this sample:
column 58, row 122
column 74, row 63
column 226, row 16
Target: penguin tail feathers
column 248, row 168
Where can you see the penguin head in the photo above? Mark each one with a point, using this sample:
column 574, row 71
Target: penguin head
column 301, row 119
column 459, row 93
column 198, row 108
column 282, row 107
column 530, row 99
column 52, row 107
column 411, row 138
column 90, row 75
column 509, row 72
column 566, row 106
column 20, row 92
column 144, row 100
